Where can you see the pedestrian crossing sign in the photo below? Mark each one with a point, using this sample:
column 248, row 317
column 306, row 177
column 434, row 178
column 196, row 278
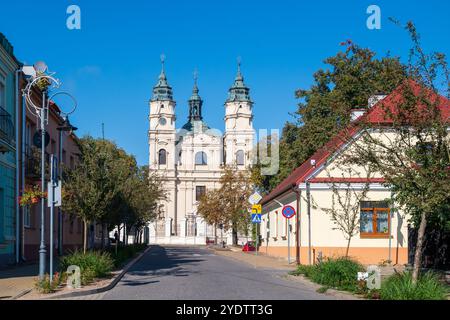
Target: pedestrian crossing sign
column 256, row 218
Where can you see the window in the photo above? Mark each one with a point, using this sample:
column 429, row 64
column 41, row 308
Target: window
column 240, row 158
column 200, row 158
column 162, row 156
column 2, row 95
column 199, row 192
column 72, row 162
column 27, row 216
column 28, row 138
column 53, row 146
column 374, row 220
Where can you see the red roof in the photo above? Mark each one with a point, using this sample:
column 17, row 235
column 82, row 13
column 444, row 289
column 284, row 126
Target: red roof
column 375, row 115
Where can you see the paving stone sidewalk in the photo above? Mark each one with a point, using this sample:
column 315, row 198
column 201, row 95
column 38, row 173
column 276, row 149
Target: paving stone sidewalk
column 17, row 280
column 260, row 261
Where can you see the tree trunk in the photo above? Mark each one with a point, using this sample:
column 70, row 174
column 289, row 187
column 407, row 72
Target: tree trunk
column 124, row 232
column 419, row 247
column 348, row 247
column 85, row 236
column 102, row 245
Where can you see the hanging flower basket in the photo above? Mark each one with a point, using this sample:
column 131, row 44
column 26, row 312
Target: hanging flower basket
column 31, row 195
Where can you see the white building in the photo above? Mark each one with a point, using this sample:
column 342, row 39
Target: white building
column 191, row 159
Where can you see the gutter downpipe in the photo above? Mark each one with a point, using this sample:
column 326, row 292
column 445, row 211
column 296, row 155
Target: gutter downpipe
column 16, row 112
column 297, row 225
column 308, row 202
column 24, row 118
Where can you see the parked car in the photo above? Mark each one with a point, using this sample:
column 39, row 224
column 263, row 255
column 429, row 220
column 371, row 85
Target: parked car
column 249, row 246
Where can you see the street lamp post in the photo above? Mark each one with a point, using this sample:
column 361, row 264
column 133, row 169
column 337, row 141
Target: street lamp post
column 44, row 81
column 42, row 251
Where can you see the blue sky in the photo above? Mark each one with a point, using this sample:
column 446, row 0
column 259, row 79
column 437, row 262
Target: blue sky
column 111, row 64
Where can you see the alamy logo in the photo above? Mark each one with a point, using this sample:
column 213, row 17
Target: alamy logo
column 374, row 20
column 73, row 21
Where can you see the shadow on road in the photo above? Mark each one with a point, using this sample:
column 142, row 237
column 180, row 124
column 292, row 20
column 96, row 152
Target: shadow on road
column 168, row 261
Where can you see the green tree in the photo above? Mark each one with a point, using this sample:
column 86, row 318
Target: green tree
column 352, row 77
column 96, row 189
column 413, row 155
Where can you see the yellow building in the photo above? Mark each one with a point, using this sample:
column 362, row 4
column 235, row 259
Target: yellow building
column 314, row 190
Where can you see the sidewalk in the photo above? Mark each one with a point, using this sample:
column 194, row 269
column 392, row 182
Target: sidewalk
column 258, row 261
column 17, row 280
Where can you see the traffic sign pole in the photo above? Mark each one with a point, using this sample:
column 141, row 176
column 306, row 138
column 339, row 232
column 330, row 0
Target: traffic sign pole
column 288, row 212
column 289, row 240
column 257, row 236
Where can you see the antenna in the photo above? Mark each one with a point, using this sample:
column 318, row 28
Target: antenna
column 103, row 131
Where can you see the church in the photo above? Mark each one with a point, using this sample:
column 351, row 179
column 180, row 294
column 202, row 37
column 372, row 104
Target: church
column 190, row 159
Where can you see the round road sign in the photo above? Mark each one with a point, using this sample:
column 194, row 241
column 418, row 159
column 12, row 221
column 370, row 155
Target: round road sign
column 288, row 211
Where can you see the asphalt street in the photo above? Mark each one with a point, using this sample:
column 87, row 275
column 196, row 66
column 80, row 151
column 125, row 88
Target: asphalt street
column 172, row 273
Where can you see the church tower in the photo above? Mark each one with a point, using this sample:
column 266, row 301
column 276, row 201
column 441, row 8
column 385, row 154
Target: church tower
column 162, row 125
column 239, row 133
column 162, row 155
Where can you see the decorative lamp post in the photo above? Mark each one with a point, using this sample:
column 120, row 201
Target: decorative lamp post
column 45, row 82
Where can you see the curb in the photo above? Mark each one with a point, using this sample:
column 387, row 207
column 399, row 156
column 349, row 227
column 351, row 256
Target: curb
column 97, row 290
column 21, row 294
column 330, row 292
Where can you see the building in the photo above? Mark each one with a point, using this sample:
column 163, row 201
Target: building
column 383, row 230
column 8, row 150
column 190, row 160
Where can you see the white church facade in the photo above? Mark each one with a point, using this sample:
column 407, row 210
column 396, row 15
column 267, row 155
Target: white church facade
column 190, row 159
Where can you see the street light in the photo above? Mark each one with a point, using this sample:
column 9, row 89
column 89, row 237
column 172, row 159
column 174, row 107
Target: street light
column 44, row 81
column 66, row 126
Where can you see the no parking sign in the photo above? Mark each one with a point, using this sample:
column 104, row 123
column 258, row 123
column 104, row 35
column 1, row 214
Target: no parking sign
column 288, row 211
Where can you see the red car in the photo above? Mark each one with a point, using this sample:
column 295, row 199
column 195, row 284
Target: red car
column 249, row 246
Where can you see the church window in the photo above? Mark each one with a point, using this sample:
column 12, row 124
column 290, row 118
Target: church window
column 240, row 158
column 162, row 156
column 200, row 158
column 199, row 192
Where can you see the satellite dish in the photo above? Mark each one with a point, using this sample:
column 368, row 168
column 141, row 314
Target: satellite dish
column 40, row 67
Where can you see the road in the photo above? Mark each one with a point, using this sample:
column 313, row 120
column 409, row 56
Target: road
column 176, row 273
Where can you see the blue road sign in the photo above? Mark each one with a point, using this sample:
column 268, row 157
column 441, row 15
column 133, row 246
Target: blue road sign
column 288, row 212
column 256, row 218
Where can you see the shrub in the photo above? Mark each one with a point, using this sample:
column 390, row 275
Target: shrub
column 44, row 285
column 400, row 287
column 340, row 273
column 93, row 264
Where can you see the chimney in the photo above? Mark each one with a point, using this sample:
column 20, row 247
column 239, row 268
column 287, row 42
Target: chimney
column 375, row 98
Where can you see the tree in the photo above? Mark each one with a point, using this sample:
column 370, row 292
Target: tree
column 411, row 150
column 146, row 191
column 95, row 190
column 354, row 75
column 229, row 205
column 345, row 206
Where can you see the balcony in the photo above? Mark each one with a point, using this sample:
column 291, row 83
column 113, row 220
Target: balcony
column 7, row 138
column 33, row 163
